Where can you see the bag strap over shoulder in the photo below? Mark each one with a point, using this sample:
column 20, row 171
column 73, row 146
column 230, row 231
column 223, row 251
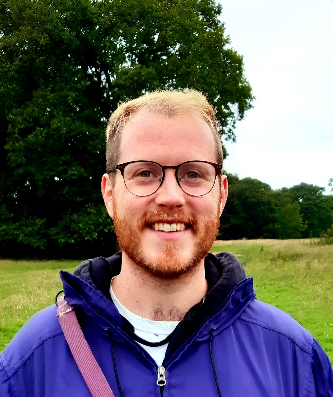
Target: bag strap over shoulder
column 85, row 360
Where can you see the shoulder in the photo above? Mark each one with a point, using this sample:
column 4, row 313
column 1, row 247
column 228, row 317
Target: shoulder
column 279, row 329
column 40, row 328
column 273, row 320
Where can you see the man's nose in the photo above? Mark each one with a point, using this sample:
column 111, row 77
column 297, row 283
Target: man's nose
column 170, row 193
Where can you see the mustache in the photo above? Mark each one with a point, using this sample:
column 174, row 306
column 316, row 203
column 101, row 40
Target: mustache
column 158, row 216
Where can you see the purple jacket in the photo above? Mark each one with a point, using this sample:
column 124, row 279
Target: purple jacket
column 243, row 347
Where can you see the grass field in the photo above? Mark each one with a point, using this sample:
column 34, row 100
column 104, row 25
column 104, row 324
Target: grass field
column 294, row 275
column 25, row 288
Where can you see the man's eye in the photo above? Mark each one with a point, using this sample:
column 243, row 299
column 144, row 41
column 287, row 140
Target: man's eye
column 144, row 174
column 192, row 175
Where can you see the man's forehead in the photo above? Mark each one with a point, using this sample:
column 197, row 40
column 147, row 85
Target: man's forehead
column 154, row 121
column 146, row 117
column 149, row 129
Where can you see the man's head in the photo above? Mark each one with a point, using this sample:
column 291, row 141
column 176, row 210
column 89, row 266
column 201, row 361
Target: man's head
column 167, row 103
column 168, row 128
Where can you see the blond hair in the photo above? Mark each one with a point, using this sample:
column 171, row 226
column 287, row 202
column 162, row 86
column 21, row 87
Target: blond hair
column 168, row 103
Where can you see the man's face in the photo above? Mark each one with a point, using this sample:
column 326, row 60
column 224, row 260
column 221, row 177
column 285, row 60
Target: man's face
column 167, row 141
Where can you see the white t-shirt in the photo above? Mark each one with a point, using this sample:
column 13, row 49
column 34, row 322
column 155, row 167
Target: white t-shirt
column 151, row 331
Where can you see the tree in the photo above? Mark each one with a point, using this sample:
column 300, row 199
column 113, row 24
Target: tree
column 64, row 65
column 316, row 208
column 289, row 221
column 250, row 210
column 254, row 210
column 327, row 236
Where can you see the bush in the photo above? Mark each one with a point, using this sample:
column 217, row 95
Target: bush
column 326, row 238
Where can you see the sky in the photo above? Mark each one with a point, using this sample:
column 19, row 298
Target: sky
column 287, row 138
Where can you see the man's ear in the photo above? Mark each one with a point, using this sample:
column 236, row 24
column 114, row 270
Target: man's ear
column 224, row 192
column 107, row 192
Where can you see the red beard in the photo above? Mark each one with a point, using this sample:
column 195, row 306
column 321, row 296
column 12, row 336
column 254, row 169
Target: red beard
column 169, row 264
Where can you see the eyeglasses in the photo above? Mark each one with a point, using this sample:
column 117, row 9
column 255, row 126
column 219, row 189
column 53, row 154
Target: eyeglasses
column 143, row 178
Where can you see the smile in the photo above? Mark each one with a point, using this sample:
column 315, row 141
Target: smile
column 168, row 227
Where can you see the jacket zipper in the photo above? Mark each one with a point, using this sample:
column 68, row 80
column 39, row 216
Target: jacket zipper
column 161, row 380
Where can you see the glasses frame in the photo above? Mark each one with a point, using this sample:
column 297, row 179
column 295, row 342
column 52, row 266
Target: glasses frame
column 121, row 167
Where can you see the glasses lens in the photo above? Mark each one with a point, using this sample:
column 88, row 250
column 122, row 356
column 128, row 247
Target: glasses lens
column 142, row 178
column 196, row 178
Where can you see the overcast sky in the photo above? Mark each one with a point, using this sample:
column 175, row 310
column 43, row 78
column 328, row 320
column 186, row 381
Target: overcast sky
column 287, row 45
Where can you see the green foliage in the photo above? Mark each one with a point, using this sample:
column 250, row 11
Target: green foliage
column 249, row 211
column 289, row 221
column 254, row 210
column 327, row 237
column 316, row 208
column 75, row 234
column 64, row 66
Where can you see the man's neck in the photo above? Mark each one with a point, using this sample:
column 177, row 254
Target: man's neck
column 158, row 299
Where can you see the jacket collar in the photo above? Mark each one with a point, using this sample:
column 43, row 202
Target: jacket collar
column 223, row 272
column 88, row 289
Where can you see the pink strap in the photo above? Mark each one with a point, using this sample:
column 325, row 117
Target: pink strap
column 85, row 360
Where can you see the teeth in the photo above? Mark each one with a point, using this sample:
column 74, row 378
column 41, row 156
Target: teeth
column 167, row 227
column 180, row 226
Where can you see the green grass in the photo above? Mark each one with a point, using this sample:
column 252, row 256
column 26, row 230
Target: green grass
column 25, row 288
column 293, row 275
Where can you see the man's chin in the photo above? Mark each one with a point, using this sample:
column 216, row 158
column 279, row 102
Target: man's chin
column 167, row 264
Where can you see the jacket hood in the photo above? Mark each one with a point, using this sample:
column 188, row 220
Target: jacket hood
column 88, row 289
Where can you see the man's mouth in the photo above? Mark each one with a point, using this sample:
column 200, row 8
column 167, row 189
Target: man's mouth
column 169, row 227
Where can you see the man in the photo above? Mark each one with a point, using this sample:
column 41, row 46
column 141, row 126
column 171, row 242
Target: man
column 164, row 317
